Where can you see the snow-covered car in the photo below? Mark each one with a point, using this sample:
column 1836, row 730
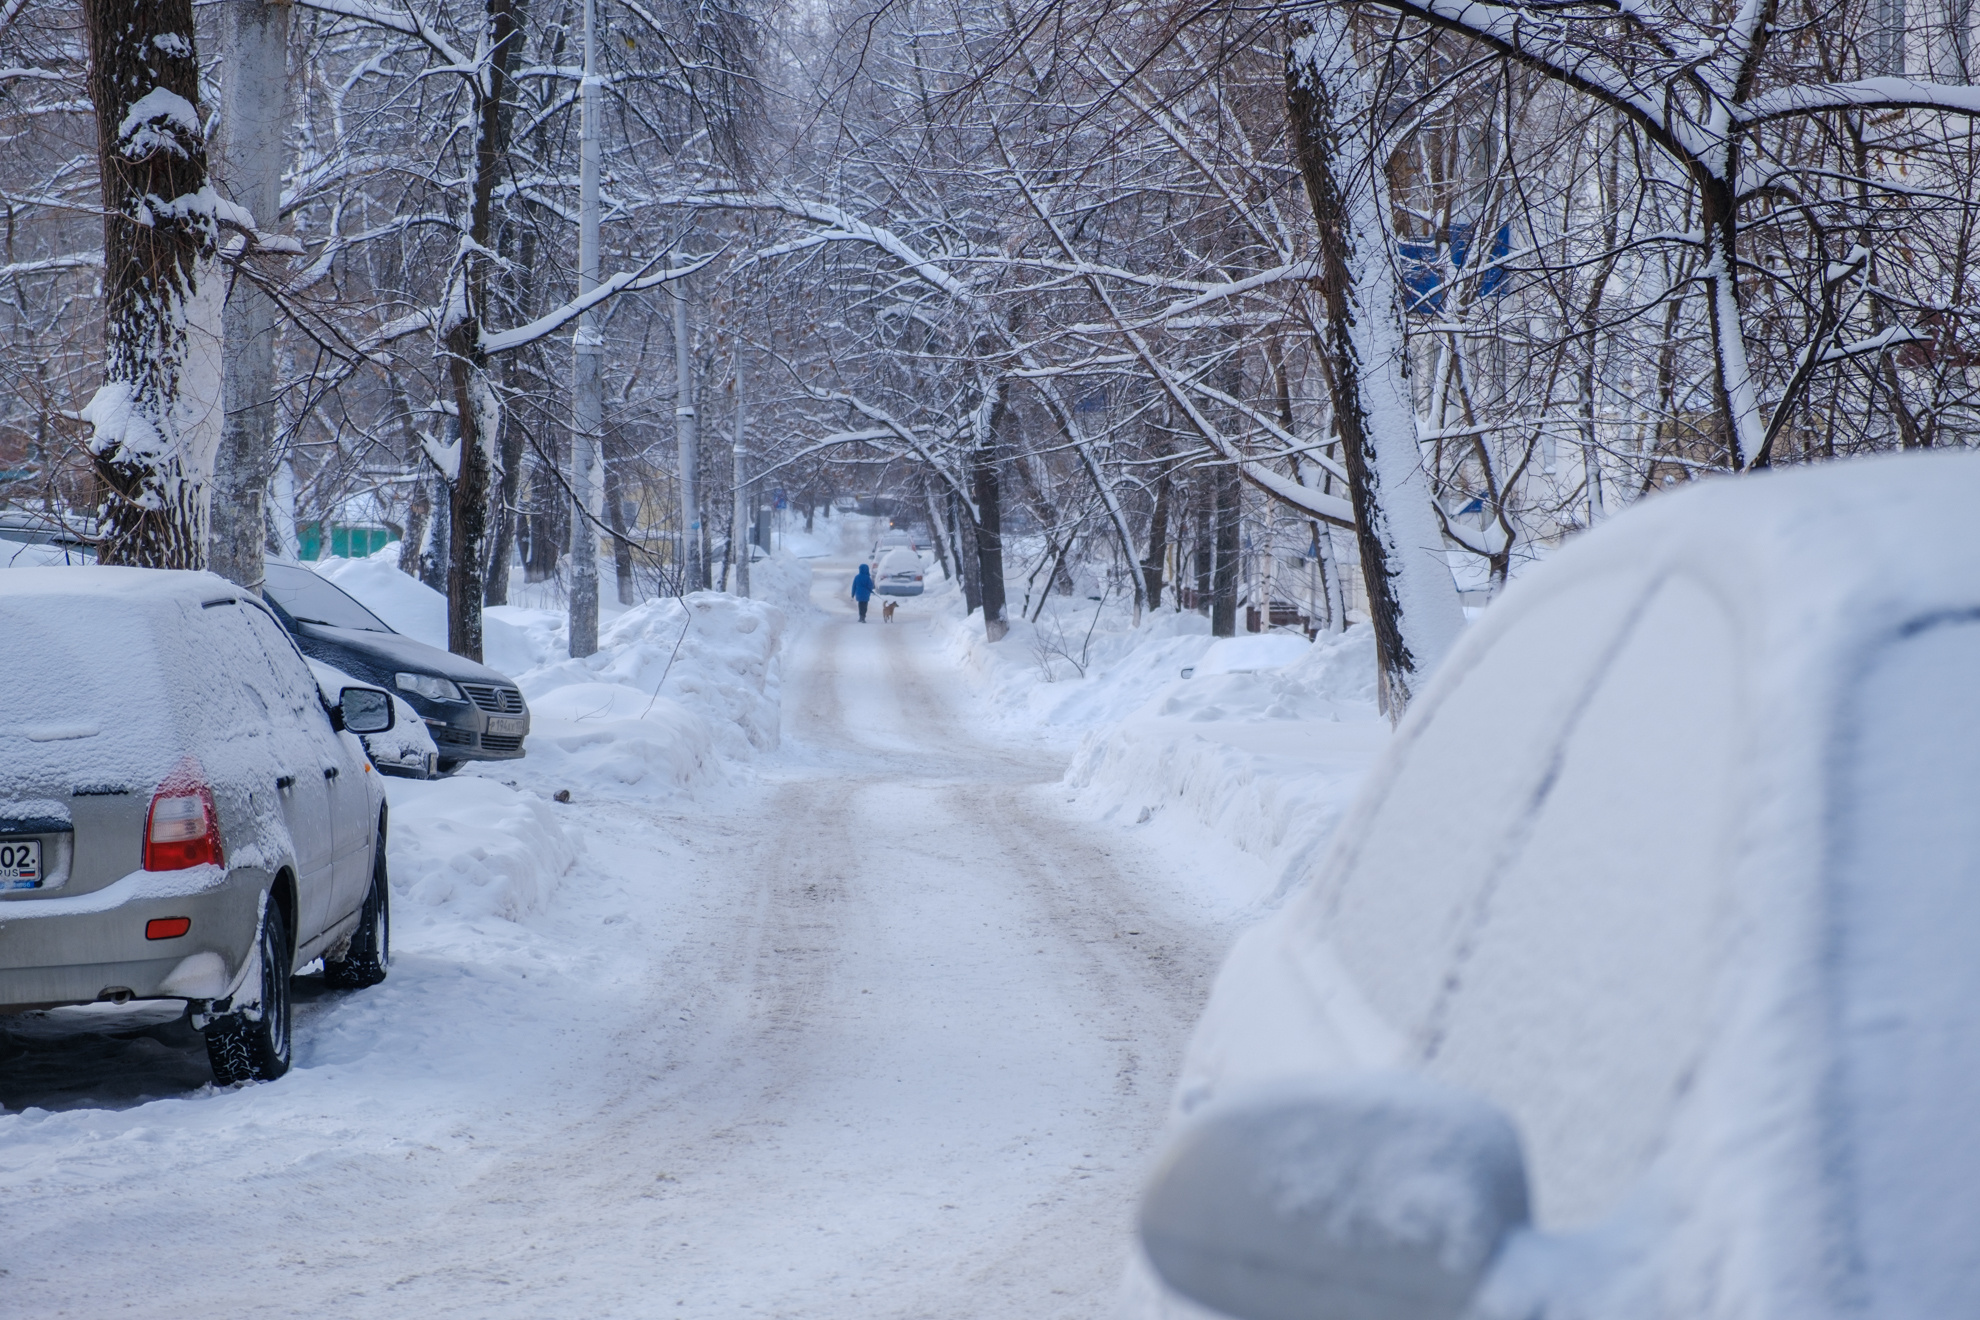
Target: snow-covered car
column 1642, row 979
column 182, row 814
column 899, row 573
column 895, row 538
column 472, row 712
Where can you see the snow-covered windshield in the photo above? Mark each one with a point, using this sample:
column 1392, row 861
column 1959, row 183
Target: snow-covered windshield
column 311, row 599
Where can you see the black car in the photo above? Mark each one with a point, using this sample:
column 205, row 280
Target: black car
column 472, row 712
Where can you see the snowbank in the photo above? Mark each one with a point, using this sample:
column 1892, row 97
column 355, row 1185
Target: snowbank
column 782, row 579
column 473, row 847
column 1259, row 741
column 712, row 658
column 513, row 639
column 675, row 688
column 1266, row 759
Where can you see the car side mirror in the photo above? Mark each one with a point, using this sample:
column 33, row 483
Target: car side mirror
column 1374, row 1198
column 365, row 710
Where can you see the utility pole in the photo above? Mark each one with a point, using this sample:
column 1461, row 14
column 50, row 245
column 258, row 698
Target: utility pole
column 687, row 432
column 587, row 385
column 739, row 533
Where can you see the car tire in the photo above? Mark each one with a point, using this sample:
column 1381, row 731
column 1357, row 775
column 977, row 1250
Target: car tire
column 244, row 1049
column 370, row 952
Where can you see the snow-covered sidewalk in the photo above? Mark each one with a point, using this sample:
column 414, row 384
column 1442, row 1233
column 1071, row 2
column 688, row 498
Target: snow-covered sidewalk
column 863, row 1017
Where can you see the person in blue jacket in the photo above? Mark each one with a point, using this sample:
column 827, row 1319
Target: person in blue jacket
column 863, row 589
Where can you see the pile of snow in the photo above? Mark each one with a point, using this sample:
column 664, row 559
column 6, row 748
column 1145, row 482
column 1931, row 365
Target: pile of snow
column 473, row 847
column 1267, row 759
column 705, row 669
column 513, row 639
column 1258, row 741
column 782, row 579
column 676, row 687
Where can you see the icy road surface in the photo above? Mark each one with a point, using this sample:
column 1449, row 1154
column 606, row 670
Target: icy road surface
column 879, row 1031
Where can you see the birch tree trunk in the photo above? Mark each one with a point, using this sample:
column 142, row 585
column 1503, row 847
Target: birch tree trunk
column 1412, row 601
column 156, row 418
column 254, row 111
column 588, row 371
column 687, row 440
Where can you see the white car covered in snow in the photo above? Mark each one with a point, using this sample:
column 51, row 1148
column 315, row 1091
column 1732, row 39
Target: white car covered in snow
column 1644, row 979
column 183, row 813
column 899, row 573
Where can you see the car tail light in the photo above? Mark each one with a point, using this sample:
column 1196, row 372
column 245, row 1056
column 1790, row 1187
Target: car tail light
column 166, row 928
column 182, row 829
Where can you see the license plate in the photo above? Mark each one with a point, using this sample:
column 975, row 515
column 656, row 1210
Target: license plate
column 20, row 863
column 504, row 724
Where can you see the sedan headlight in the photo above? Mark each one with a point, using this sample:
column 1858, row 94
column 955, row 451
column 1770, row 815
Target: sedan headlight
column 429, row 685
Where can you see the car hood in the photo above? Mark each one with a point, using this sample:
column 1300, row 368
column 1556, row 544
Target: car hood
column 388, row 653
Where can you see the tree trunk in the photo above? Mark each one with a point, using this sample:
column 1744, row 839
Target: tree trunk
column 969, row 565
column 157, row 416
column 615, row 521
column 739, row 481
column 1412, row 601
column 937, row 531
column 253, row 114
column 687, row 440
column 1227, row 488
column 1158, row 542
column 990, row 518
column 412, row 550
column 435, row 554
column 467, row 363
column 522, row 280
column 549, row 508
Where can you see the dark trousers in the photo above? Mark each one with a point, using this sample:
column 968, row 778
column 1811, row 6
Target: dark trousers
column 862, row 611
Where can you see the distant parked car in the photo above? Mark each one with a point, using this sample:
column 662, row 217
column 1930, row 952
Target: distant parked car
column 182, row 815
column 472, row 712
column 895, row 538
column 1641, row 982
column 900, row 573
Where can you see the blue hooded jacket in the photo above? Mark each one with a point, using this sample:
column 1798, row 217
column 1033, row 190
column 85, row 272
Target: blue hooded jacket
column 863, row 584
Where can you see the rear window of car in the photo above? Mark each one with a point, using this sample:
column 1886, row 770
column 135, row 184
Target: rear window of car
column 308, row 598
column 76, row 662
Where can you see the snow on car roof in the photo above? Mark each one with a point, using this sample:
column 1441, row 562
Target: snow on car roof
column 116, row 673
column 138, row 585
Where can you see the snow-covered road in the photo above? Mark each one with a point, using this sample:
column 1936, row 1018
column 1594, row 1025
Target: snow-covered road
column 879, row 1030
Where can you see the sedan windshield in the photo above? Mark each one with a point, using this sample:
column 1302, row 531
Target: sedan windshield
column 308, row 598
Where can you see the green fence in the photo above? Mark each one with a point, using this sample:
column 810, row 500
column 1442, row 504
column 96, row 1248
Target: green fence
column 346, row 540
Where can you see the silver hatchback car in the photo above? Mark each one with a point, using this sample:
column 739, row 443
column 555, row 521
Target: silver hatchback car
column 182, row 815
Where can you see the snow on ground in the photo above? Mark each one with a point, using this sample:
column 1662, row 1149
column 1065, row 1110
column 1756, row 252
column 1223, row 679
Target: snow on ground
column 829, row 992
column 1255, row 743
column 863, row 1020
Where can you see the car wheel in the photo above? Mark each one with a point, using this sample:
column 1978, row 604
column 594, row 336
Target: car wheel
column 444, row 768
column 252, row 1043
column 370, row 952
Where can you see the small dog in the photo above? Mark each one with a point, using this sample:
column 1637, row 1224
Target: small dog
column 887, row 611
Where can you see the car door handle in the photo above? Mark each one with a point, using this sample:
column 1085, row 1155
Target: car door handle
column 330, row 772
column 285, row 781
